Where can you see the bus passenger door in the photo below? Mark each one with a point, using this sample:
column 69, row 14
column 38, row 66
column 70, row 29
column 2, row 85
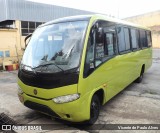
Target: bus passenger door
column 111, row 65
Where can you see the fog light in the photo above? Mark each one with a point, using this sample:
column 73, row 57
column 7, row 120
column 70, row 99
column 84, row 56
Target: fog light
column 67, row 98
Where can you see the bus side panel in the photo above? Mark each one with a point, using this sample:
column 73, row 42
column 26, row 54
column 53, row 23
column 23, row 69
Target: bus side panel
column 147, row 57
column 112, row 76
column 136, row 65
column 117, row 73
column 107, row 76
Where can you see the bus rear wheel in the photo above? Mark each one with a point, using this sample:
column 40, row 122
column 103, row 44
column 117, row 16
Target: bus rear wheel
column 94, row 110
column 140, row 78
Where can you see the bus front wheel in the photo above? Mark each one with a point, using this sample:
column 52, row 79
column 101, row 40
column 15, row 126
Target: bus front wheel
column 94, row 109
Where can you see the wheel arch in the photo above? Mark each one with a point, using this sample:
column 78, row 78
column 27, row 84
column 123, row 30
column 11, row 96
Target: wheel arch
column 101, row 95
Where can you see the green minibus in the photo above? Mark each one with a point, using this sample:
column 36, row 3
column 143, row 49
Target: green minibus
column 74, row 65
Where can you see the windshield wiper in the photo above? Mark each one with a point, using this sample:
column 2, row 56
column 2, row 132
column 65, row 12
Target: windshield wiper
column 47, row 64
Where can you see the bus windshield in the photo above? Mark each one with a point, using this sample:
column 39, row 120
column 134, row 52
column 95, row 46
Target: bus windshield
column 55, row 47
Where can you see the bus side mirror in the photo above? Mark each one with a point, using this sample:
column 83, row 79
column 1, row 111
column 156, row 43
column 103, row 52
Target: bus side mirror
column 25, row 40
column 100, row 35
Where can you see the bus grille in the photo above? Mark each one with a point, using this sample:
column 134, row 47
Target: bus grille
column 41, row 108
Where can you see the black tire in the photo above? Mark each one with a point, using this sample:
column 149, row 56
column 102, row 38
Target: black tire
column 140, row 78
column 94, row 110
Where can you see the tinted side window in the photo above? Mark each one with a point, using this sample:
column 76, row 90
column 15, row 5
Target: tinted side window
column 90, row 50
column 138, row 38
column 127, row 41
column 110, row 44
column 121, row 41
column 149, row 40
column 134, row 40
column 143, row 40
column 99, row 52
column 89, row 65
column 106, row 49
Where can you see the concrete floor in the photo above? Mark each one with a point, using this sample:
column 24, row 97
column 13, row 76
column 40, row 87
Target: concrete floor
column 137, row 104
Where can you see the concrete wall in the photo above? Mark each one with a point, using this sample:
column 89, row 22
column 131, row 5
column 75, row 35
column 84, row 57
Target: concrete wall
column 10, row 40
column 152, row 21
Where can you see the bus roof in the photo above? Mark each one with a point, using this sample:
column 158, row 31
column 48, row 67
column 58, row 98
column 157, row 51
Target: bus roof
column 67, row 19
column 94, row 17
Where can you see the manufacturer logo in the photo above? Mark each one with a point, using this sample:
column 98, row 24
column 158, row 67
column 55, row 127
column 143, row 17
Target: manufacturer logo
column 35, row 92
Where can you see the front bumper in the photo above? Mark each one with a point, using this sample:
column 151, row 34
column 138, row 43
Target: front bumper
column 75, row 111
column 41, row 108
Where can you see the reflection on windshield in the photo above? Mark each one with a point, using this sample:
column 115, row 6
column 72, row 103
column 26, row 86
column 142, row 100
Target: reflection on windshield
column 57, row 44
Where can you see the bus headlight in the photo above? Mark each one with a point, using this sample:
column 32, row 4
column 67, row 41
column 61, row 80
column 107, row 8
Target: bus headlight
column 19, row 90
column 67, row 98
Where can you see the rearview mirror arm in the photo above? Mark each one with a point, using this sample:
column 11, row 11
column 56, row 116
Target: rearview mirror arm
column 26, row 39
